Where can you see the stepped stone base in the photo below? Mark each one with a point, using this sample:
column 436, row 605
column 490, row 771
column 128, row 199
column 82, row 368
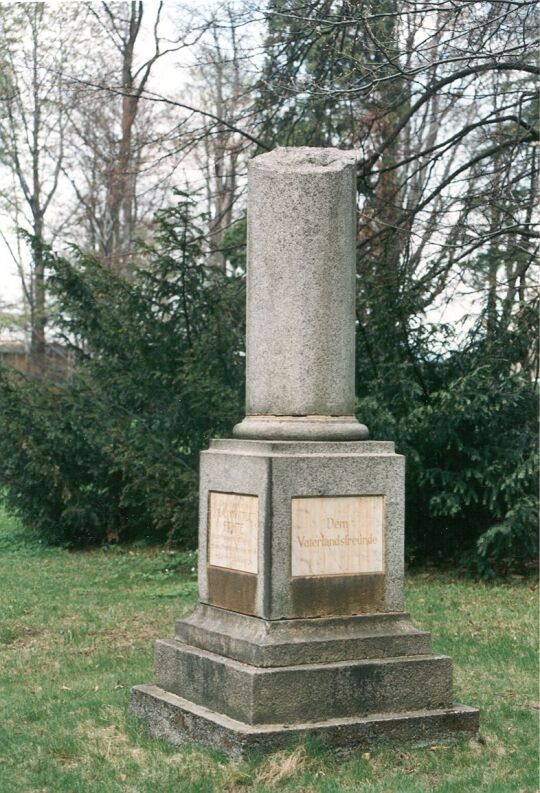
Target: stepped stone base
column 242, row 683
column 180, row 722
column 308, row 692
column 269, row 643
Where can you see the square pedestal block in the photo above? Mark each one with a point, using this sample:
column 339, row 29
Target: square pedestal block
column 301, row 529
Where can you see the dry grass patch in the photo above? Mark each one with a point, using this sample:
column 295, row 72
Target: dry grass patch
column 285, row 765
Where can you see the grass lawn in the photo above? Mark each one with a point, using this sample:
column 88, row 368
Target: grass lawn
column 77, row 630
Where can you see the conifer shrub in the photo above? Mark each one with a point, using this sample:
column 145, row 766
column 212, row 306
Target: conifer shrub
column 112, row 453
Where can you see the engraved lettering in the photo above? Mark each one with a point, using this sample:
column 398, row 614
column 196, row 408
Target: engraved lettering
column 233, row 531
column 337, row 535
column 333, row 523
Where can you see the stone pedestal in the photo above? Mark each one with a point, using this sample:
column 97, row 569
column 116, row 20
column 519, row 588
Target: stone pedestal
column 300, row 628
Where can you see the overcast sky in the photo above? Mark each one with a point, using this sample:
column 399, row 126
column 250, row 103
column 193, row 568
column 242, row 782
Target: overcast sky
column 169, row 78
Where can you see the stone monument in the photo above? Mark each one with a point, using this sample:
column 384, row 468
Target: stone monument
column 300, row 629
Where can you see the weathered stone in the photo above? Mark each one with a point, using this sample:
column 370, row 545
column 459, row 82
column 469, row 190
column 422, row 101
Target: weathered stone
column 180, row 722
column 278, row 472
column 300, row 326
column 303, row 692
column 300, row 628
column 301, row 641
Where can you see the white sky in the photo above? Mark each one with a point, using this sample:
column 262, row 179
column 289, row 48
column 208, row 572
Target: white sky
column 171, row 79
column 169, row 74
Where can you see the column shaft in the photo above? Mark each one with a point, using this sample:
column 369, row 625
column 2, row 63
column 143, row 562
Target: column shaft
column 301, row 296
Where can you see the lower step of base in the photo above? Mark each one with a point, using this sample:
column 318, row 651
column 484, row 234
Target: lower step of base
column 178, row 721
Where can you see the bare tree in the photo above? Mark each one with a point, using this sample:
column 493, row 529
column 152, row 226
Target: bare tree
column 437, row 98
column 125, row 150
column 222, row 86
column 36, row 46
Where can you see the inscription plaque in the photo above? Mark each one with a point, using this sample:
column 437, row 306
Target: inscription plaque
column 337, row 535
column 233, row 522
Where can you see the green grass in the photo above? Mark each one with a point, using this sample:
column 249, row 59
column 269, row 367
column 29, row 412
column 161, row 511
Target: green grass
column 77, row 631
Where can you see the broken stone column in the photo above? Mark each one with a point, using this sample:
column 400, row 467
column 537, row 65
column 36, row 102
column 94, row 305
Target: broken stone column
column 300, row 323
column 300, row 629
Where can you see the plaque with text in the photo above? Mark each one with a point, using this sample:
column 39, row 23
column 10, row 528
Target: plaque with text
column 233, row 522
column 337, row 535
